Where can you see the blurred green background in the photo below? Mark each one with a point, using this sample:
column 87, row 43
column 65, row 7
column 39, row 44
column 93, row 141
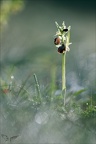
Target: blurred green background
column 27, row 29
column 27, row 42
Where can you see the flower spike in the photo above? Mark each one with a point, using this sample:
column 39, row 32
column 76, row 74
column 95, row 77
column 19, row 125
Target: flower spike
column 62, row 39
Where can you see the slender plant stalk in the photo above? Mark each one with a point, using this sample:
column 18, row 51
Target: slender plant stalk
column 64, row 69
column 37, row 86
column 63, row 76
column 62, row 42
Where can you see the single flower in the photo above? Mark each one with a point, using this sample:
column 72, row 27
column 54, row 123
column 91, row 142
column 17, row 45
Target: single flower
column 62, row 48
column 57, row 40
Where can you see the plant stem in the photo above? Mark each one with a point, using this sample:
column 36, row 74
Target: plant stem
column 63, row 76
column 37, row 86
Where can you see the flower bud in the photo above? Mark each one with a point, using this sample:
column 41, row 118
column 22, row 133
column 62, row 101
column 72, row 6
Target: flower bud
column 65, row 30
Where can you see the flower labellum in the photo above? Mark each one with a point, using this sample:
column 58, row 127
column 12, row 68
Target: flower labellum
column 62, row 48
column 57, row 40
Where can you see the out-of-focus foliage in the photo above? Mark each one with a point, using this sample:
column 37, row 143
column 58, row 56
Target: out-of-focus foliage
column 21, row 104
column 8, row 7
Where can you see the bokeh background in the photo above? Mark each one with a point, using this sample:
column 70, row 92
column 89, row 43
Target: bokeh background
column 27, row 39
column 27, row 46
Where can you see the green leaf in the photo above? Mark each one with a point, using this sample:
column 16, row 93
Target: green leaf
column 79, row 92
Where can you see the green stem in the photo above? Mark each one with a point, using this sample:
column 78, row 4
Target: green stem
column 37, row 86
column 63, row 76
